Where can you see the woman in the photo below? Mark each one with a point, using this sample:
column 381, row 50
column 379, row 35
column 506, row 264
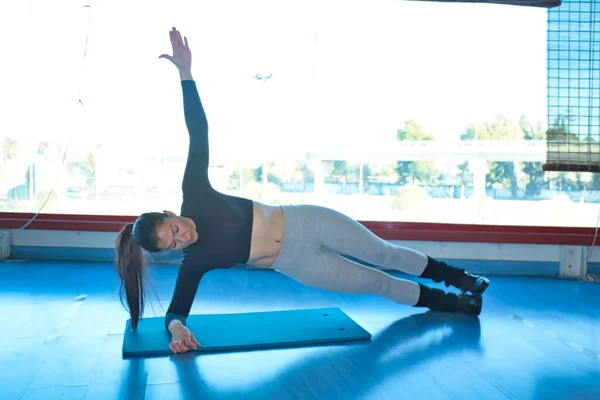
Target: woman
column 306, row 243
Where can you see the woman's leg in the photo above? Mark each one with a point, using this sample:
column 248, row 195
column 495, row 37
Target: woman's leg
column 329, row 271
column 345, row 236
column 322, row 269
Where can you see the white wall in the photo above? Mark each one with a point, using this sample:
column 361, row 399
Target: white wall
column 481, row 257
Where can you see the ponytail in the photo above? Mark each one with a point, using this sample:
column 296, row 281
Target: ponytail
column 131, row 269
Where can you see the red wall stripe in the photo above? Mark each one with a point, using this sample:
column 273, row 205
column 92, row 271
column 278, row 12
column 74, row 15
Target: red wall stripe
column 434, row 232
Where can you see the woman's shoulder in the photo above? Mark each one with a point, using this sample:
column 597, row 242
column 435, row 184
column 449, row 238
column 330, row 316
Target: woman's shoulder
column 199, row 199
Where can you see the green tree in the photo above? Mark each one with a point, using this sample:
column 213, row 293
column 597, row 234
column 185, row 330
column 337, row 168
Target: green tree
column 535, row 180
column 249, row 175
column 502, row 174
column 405, row 172
column 303, row 171
column 476, row 132
column 345, row 172
column 594, row 183
column 560, row 131
column 380, row 172
column 413, row 131
column 464, row 176
column 535, row 176
column 409, row 171
column 272, row 176
column 503, row 128
column 12, row 148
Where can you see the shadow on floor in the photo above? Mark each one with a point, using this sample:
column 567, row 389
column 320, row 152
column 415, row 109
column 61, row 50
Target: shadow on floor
column 402, row 346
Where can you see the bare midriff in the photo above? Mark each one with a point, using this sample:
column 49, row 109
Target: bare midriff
column 268, row 230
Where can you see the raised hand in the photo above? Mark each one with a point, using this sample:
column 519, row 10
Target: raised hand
column 182, row 56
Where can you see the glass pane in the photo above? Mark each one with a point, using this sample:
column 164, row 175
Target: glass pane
column 381, row 120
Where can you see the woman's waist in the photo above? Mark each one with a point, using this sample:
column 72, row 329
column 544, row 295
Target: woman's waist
column 268, row 232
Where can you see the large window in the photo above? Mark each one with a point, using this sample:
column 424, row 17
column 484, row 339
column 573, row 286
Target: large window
column 385, row 110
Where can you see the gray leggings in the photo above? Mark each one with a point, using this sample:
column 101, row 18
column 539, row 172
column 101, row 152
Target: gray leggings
column 317, row 239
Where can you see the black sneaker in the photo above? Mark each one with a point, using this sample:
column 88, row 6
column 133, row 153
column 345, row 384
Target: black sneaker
column 469, row 304
column 474, row 284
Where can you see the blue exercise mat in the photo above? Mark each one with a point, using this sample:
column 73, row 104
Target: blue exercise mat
column 244, row 331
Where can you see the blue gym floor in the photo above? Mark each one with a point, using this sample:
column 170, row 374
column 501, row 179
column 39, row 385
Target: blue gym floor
column 62, row 331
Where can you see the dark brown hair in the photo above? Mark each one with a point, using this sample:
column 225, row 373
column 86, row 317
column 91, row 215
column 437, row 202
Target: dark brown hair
column 131, row 264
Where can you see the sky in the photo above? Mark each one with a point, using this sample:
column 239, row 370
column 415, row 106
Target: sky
column 343, row 71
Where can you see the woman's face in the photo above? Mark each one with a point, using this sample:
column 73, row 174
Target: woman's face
column 176, row 233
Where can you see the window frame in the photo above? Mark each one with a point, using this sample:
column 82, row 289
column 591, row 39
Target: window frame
column 392, row 230
column 524, row 3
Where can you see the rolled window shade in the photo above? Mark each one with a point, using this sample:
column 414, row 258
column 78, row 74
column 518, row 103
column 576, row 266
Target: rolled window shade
column 573, row 135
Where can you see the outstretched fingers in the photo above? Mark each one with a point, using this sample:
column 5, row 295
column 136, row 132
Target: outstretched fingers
column 178, row 346
column 176, row 40
column 188, row 341
column 194, row 341
column 182, row 57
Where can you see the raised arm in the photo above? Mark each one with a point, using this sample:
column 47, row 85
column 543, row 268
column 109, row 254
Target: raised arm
column 195, row 178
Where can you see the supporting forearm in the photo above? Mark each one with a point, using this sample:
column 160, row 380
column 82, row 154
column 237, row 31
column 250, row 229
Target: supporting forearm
column 185, row 75
column 174, row 324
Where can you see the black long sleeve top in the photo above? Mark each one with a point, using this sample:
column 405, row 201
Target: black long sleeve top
column 223, row 222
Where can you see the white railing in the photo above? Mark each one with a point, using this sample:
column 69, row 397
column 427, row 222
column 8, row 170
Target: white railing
column 435, row 146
